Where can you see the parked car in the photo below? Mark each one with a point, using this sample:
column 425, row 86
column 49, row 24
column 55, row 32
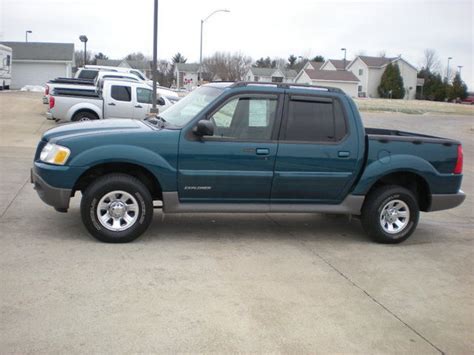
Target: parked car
column 246, row 147
column 113, row 98
column 83, row 85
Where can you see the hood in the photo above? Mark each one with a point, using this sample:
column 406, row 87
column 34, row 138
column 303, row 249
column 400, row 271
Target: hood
column 94, row 127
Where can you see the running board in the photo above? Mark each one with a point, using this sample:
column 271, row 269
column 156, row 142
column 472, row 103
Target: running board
column 352, row 204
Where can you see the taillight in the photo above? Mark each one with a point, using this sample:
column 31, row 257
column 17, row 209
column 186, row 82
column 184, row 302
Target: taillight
column 51, row 102
column 46, row 90
column 459, row 160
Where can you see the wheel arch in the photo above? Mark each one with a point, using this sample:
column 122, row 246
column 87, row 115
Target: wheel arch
column 409, row 180
column 74, row 110
column 138, row 171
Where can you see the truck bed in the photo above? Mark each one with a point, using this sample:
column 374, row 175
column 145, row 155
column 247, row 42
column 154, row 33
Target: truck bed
column 391, row 145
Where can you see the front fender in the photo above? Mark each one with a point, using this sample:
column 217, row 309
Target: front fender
column 82, row 106
column 164, row 172
column 404, row 163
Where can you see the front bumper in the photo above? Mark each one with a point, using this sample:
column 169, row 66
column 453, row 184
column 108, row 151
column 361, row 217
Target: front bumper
column 53, row 196
column 446, row 201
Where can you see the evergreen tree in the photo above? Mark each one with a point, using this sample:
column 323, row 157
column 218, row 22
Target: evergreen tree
column 458, row 90
column 291, row 62
column 391, row 84
column 318, row 58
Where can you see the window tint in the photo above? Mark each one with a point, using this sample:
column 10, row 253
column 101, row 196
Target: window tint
column 121, row 93
column 315, row 121
column 88, row 74
column 246, row 118
column 144, row 95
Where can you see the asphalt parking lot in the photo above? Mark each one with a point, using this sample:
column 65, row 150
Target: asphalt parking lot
column 229, row 282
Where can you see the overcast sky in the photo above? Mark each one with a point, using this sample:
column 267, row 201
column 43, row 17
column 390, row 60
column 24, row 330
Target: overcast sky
column 255, row 28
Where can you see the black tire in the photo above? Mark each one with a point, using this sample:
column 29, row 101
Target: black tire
column 106, row 185
column 85, row 116
column 372, row 218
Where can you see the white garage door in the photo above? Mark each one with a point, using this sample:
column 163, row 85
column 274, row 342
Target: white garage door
column 349, row 88
column 35, row 73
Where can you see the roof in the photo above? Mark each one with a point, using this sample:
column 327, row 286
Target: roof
column 376, row 62
column 331, row 75
column 41, row 50
column 289, row 73
column 109, row 62
column 188, row 67
column 139, row 64
column 316, row 65
column 262, row 71
column 339, row 63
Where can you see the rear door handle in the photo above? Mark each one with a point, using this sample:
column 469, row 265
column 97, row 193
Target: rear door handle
column 138, row 106
column 111, row 104
column 262, row 151
column 343, row 154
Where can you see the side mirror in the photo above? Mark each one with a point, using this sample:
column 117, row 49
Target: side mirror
column 204, row 128
column 161, row 101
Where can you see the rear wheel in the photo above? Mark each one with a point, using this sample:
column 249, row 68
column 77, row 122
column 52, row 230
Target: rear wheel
column 85, row 116
column 117, row 208
column 390, row 214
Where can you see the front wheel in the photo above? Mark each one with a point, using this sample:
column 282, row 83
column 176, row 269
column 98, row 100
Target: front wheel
column 117, row 208
column 390, row 214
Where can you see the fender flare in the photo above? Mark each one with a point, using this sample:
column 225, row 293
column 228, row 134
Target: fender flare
column 394, row 164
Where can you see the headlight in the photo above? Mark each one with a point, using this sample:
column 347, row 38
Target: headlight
column 54, row 154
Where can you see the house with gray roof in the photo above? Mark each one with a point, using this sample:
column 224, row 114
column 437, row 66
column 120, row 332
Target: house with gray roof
column 35, row 63
column 186, row 75
column 270, row 75
column 341, row 79
column 369, row 71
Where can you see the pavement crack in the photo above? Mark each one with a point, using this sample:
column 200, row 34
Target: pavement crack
column 353, row 283
column 14, row 198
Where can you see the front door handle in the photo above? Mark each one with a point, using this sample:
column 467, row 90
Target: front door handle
column 111, row 104
column 343, row 154
column 262, row 151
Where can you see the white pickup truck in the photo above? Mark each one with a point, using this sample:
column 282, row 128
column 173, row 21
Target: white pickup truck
column 84, row 84
column 114, row 98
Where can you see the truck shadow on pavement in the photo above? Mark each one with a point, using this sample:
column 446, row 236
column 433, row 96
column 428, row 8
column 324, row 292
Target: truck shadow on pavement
column 245, row 227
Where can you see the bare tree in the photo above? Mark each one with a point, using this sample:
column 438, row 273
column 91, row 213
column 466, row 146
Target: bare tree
column 227, row 66
column 431, row 61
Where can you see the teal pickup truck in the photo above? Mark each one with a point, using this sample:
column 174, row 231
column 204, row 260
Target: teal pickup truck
column 248, row 147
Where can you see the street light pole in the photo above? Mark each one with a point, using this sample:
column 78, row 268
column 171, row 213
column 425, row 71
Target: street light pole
column 200, row 48
column 154, row 109
column 345, row 52
column 447, row 71
column 26, row 35
column 84, row 39
column 459, row 70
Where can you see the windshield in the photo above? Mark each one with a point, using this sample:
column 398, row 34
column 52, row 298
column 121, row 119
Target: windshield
column 188, row 107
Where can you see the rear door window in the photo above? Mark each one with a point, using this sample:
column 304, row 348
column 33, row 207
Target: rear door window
column 88, row 74
column 315, row 121
column 121, row 93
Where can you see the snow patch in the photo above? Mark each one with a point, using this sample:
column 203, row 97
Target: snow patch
column 34, row 88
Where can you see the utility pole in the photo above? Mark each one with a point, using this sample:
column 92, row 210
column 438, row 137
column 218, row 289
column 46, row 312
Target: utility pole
column 154, row 109
column 345, row 52
column 200, row 47
column 447, row 71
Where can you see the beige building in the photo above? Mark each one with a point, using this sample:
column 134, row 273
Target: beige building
column 369, row 71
